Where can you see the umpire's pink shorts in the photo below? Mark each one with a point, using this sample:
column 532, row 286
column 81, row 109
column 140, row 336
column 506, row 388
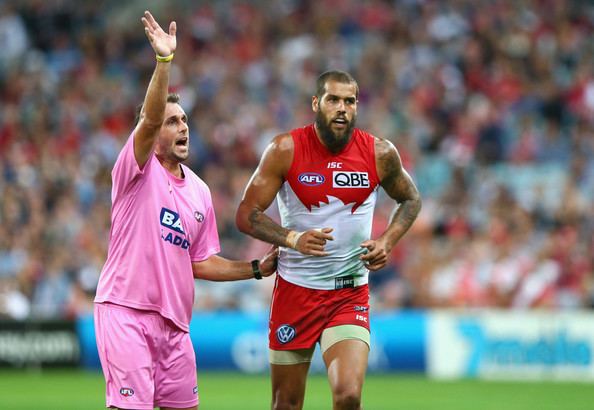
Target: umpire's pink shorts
column 146, row 360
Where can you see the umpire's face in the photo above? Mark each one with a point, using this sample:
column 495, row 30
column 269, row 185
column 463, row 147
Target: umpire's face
column 173, row 143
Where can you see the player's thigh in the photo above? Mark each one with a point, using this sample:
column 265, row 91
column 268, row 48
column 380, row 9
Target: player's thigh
column 288, row 382
column 296, row 317
column 346, row 358
column 175, row 374
column 288, row 374
column 125, row 355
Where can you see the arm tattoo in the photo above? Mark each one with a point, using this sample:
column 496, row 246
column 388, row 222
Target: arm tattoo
column 265, row 229
column 399, row 186
column 410, row 201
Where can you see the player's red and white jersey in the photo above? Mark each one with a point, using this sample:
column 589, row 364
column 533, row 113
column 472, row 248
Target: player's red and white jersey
column 329, row 190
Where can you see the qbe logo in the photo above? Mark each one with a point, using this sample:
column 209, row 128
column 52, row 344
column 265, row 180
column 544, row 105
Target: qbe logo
column 311, row 179
column 350, row 179
column 285, row 333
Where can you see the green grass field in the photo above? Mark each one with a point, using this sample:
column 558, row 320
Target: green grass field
column 77, row 390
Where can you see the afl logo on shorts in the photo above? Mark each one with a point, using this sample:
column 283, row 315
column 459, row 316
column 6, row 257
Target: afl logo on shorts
column 285, row 333
column 311, row 179
column 126, row 392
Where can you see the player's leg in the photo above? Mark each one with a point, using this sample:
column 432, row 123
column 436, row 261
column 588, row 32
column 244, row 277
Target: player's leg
column 345, row 346
column 126, row 358
column 296, row 324
column 176, row 386
column 288, row 373
column 345, row 352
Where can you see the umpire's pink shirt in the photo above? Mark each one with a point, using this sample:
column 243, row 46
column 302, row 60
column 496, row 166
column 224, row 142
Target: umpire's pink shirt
column 159, row 225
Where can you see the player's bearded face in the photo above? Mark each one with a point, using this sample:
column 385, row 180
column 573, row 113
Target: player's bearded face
column 173, row 143
column 334, row 139
column 336, row 114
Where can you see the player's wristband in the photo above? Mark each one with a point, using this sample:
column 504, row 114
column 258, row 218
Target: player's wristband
column 256, row 269
column 165, row 59
column 292, row 239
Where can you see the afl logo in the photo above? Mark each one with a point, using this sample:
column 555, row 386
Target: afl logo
column 126, row 392
column 198, row 216
column 285, row 333
column 311, row 179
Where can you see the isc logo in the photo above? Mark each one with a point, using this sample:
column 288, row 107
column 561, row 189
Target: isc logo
column 361, row 318
column 311, row 179
column 344, row 179
column 171, row 220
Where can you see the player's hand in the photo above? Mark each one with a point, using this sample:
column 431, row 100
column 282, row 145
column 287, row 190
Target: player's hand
column 269, row 262
column 313, row 242
column 376, row 256
column 163, row 43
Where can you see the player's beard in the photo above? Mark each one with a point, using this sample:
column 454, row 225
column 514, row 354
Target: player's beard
column 180, row 157
column 171, row 154
column 333, row 141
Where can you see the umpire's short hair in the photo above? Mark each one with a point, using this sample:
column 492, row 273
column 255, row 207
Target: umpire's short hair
column 335, row 75
column 171, row 98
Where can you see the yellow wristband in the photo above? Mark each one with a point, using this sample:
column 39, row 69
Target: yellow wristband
column 164, row 59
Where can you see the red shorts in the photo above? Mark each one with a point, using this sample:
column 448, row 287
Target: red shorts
column 299, row 315
column 147, row 361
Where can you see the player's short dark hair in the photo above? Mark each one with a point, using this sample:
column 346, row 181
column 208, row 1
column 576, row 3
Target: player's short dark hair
column 335, row 75
column 171, row 98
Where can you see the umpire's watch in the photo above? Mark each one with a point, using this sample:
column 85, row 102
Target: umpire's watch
column 256, row 269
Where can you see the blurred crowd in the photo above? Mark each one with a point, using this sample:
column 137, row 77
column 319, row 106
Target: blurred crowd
column 490, row 103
